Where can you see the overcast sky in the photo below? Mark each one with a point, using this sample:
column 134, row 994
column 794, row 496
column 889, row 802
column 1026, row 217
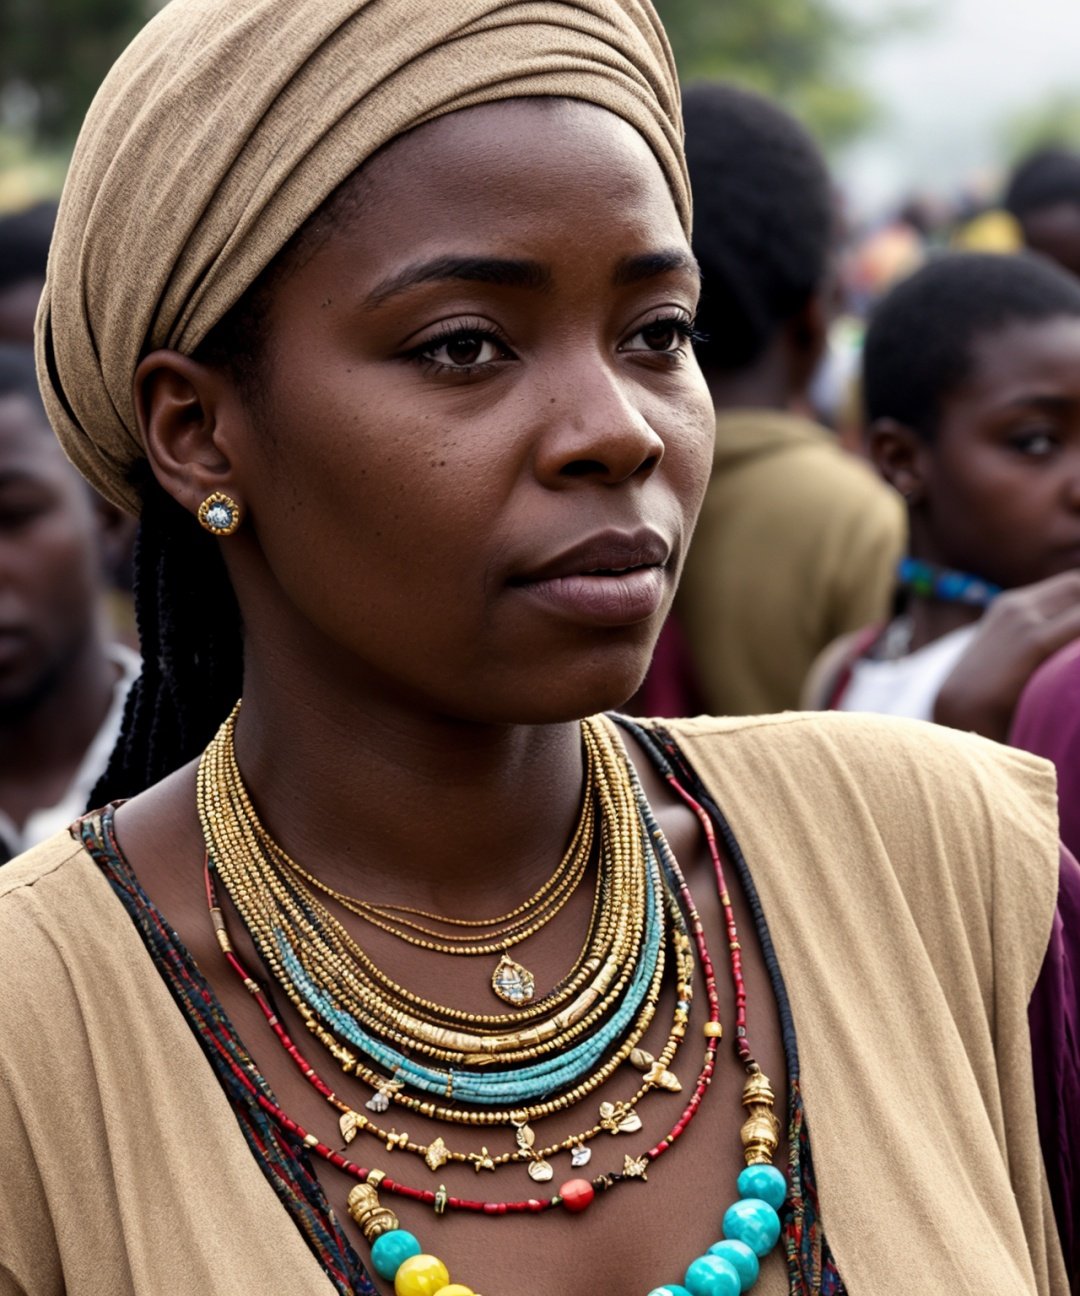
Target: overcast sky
column 945, row 89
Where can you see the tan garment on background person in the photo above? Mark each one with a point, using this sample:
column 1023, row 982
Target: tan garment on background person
column 908, row 875
column 797, row 543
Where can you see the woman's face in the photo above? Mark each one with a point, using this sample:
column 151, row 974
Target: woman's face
column 484, row 439
column 1002, row 488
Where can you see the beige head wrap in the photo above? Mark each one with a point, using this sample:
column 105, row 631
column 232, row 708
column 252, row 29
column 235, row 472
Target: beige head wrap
column 227, row 123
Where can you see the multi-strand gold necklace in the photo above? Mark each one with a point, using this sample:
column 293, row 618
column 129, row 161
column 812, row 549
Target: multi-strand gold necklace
column 502, row 1070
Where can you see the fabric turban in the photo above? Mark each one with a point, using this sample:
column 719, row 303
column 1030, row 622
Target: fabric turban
column 227, row 123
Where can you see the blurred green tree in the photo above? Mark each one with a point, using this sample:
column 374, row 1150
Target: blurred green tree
column 1052, row 121
column 800, row 51
column 54, row 55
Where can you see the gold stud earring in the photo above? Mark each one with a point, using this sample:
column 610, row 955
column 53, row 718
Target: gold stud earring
column 219, row 514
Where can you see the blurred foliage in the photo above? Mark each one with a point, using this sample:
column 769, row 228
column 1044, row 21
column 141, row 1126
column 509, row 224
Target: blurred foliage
column 28, row 173
column 55, row 53
column 803, row 52
column 1053, row 121
column 53, row 56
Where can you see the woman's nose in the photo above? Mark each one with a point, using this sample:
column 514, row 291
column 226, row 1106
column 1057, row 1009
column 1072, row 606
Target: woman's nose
column 593, row 428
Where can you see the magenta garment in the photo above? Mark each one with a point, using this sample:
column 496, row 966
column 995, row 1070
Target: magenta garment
column 1054, row 1019
column 1047, row 722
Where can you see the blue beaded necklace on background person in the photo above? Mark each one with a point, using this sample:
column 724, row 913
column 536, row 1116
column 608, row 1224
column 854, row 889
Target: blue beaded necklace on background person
column 285, row 1156
column 942, row 584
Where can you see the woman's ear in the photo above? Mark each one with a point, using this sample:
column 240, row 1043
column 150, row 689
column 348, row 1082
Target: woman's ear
column 186, row 412
column 900, row 456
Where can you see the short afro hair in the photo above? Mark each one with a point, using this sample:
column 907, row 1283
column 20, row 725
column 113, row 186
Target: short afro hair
column 763, row 219
column 1043, row 179
column 919, row 344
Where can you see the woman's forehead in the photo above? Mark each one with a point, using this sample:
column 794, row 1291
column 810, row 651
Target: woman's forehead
column 498, row 173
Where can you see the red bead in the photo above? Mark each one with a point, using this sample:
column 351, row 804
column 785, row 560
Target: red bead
column 576, row 1194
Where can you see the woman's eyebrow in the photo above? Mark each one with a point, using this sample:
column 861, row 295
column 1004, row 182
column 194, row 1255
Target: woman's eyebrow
column 491, row 270
column 632, row 270
column 1051, row 403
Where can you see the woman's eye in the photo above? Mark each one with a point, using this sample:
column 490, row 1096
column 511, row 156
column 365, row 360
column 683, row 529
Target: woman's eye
column 463, row 351
column 1035, row 444
column 662, row 336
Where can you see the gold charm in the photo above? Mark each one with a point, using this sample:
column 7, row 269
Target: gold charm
column 635, row 1169
column 525, row 1137
column 540, row 1170
column 481, row 1160
column 660, row 1078
column 619, row 1118
column 641, row 1058
column 436, row 1155
column 350, row 1124
column 761, row 1130
column 513, row 983
column 395, row 1140
column 369, row 1213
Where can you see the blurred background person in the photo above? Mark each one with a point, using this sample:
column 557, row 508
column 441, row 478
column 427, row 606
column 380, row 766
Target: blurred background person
column 24, row 252
column 63, row 684
column 797, row 542
column 971, row 378
column 1044, row 197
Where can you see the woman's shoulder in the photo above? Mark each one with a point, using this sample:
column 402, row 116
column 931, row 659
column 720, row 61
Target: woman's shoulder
column 60, row 925
column 61, row 853
column 908, row 771
column 850, row 731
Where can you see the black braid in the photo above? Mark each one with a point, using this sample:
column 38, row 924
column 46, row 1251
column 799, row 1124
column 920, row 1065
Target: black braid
column 192, row 647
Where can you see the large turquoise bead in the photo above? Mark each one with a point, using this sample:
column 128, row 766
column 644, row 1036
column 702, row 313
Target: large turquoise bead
column 741, row 1257
column 709, row 1275
column 754, row 1222
column 765, row 1182
column 390, row 1250
column 670, row 1290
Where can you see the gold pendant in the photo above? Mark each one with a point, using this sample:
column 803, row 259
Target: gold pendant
column 619, row 1118
column 513, row 983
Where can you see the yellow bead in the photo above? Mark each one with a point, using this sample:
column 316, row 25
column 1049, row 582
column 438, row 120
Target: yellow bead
column 455, row 1289
column 420, row 1275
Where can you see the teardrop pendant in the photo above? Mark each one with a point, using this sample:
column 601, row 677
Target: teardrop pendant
column 513, row 983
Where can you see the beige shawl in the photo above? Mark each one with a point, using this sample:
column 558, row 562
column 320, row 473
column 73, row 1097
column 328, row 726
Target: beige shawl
column 908, row 876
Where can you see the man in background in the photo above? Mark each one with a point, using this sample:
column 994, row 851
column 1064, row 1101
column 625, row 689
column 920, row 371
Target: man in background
column 798, row 540
column 63, row 684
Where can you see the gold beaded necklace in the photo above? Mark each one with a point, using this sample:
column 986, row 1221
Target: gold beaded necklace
column 273, row 898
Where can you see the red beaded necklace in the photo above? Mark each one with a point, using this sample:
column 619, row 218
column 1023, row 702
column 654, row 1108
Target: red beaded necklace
column 441, row 1201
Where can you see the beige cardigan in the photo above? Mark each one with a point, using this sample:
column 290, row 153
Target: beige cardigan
column 908, row 875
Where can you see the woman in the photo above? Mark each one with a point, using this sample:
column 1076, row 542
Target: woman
column 441, row 425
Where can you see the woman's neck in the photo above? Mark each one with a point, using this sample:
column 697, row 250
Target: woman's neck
column 409, row 807
column 932, row 619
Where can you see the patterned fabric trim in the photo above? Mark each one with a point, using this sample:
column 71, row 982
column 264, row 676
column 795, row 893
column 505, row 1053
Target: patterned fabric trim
column 282, row 1158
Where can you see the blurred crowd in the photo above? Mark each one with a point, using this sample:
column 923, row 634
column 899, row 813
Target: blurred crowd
column 893, row 521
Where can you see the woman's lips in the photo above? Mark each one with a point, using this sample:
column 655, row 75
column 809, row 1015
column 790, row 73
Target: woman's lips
column 606, row 598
